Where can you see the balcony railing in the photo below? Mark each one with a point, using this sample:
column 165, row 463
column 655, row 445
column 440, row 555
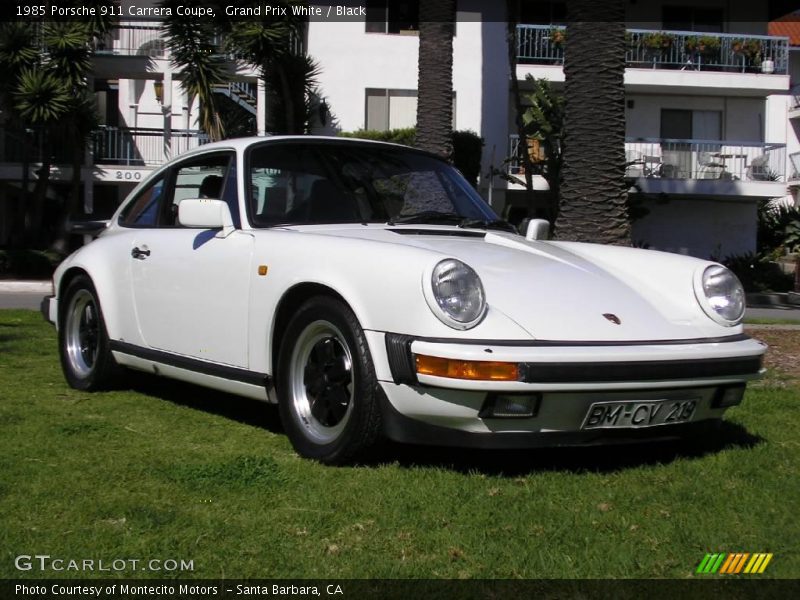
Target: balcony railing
column 705, row 159
column 110, row 146
column 140, row 38
column 143, row 147
column 683, row 159
column 146, row 38
column 685, row 50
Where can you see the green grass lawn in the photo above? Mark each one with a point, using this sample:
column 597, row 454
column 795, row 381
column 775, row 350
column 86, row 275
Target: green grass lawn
column 163, row 470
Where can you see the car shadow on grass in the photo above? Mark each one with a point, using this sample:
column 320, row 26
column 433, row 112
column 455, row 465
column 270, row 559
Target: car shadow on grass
column 504, row 463
column 242, row 410
column 579, row 459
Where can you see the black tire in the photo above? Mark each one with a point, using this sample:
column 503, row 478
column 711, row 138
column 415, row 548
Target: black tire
column 86, row 358
column 329, row 398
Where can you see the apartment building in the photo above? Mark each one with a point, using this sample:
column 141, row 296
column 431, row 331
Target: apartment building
column 707, row 105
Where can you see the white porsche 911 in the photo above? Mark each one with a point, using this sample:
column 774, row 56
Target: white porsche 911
column 369, row 291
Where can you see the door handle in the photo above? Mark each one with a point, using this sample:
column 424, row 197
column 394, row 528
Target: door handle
column 139, row 253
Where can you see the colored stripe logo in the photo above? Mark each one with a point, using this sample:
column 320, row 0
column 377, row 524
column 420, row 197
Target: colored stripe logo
column 734, row 563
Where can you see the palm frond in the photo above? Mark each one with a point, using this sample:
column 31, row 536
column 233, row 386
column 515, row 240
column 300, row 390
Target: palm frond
column 18, row 48
column 195, row 53
column 41, row 98
column 69, row 53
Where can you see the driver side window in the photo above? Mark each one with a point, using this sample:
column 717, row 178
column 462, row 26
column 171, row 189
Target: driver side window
column 145, row 209
column 209, row 176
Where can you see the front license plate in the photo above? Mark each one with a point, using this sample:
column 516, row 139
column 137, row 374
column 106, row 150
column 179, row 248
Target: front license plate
column 617, row 415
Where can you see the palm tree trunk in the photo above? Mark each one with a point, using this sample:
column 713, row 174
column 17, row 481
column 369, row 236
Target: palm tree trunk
column 70, row 208
column 275, row 71
column 593, row 193
column 435, row 83
column 34, row 234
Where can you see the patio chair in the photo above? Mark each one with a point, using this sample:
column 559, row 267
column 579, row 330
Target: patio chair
column 709, row 168
column 758, row 170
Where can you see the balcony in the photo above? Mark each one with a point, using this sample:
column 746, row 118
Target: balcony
column 654, row 49
column 146, row 38
column 672, row 61
column 138, row 38
column 142, row 147
column 697, row 167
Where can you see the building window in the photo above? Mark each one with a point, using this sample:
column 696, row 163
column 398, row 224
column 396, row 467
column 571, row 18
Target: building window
column 693, row 150
column 690, row 18
column 391, row 109
column 691, row 124
column 394, row 109
column 392, row 16
column 543, row 13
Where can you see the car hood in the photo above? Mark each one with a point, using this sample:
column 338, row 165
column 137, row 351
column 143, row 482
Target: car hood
column 561, row 291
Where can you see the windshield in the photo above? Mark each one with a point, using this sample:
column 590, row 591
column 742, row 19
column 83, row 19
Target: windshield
column 323, row 182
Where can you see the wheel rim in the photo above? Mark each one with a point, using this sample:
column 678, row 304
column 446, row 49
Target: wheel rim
column 321, row 387
column 82, row 333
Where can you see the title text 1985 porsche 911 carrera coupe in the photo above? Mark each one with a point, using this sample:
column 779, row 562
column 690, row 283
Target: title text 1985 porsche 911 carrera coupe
column 369, row 291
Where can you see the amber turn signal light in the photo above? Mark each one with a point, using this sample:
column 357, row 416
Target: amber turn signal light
column 467, row 369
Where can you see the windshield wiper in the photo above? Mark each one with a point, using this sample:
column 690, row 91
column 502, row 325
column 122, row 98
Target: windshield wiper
column 498, row 224
column 427, row 216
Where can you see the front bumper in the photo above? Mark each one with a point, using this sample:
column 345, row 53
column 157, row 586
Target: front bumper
column 566, row 381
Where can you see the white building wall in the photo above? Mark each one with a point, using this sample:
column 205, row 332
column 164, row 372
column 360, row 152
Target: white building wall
column 352, row 60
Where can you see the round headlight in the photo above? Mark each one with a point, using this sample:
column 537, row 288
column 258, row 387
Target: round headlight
column 458, row 294
column 723, row 295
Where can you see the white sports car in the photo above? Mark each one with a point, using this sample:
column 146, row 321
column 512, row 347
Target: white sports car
column 369, row 291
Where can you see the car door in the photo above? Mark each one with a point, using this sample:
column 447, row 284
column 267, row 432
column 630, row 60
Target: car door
column 190, row 287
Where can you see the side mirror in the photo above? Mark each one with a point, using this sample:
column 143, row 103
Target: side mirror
column 206, row 213
column 537, row 229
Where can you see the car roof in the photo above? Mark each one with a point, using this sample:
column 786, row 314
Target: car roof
column 240, row 144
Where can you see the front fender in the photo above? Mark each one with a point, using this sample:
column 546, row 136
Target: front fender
column 384, row 289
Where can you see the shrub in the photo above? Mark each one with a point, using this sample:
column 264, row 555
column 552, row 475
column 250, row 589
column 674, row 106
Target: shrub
column 406, row 136
column 27, row 264
column 758, row 273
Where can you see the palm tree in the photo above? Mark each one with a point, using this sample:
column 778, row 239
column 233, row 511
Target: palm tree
column 41, row 99
column 18, row 51
column 435, row 77
column 47, row 92
column 192, row 44
column 593, row 192
column 201, row 48
column 268, row 45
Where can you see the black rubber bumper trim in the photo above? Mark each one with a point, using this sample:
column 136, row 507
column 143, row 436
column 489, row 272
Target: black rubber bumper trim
column 402, row 365
column 403, row 429
column 581, row 343
column 401, row 361
column 44, row 307
column 192, row 364
column 604, row 372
